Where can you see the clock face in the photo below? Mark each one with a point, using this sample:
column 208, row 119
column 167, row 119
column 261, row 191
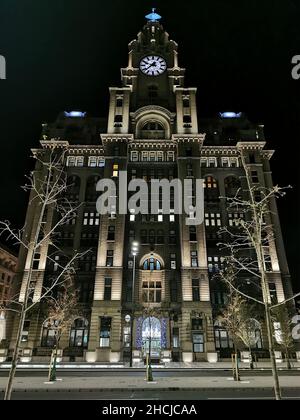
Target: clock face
column 153, row 65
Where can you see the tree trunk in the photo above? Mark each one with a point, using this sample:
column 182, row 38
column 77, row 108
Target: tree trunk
column 14, row 362
column 271, row 351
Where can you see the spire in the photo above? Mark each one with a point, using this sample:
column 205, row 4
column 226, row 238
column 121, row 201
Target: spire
column 153, row 17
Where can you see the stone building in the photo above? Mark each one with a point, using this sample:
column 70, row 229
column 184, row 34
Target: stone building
column 8, row 266
column 153, row 131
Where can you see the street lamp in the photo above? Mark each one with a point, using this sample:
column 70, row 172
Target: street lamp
column 134, row 253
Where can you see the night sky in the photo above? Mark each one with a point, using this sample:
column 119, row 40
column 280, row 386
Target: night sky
column 64, row 55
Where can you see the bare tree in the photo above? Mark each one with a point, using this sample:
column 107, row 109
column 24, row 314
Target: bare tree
column 47, row 186
column 246, row 246
column 283, row 332
column 232, row 319
column 62, row 310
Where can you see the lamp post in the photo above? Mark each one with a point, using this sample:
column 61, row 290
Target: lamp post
column 134, row 252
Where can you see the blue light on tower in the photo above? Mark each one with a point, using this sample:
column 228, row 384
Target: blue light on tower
column 230, row 115
column 75, row 114
column 153, row 17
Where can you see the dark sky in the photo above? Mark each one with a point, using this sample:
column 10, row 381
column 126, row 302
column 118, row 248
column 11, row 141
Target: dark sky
column 64, row 54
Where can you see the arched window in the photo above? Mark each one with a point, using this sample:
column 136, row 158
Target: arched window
column 210, row 183
column 211, row 190
column 91, row 194
column 232, row 186
column 73, row 188
column 152, row 264
column 79, row 333
column 153, row 130
column 49, row 333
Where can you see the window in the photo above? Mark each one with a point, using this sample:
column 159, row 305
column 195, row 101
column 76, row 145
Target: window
column 79, row 333
column 198, row 343
column 234, row 219
column 170, row 156
column 107, row 288
column 144, row 156
column 254, row 177
column 91, row 219
column 172, row 216
column 154, row 130
column 118, row 120
column 273, row 292
column 215, row 264
column 222, row 339
column 144, row 236
column 204, row 162
column 126, row 336
column 212, row 162
column 152, row 156
column 196, row 290
column 95, row 161
column 109, row 258
column 160, row 237
column 25, row 331
column 194, row 258
column 189, row 170
column 152, row 264
column 152, row 291
column 175, row 337
column 187, row 120
column 173, row 261
column 115, row 170
column 219, row 298
column 210, row 182
column 174, row 290
column 132, row 215
column 75, row 161
column 193, row 233
column 119, row 103
column 56, row 263
column 252, row 158
column 87, row 263
column 36, row 261
column 197, row 324
column 172, row 237
column 212, row 219
column 105, row 329
column 160, row 218
column 160, row 156
column 111, row 233
column 49, row 334
column 188, row 151
column 134, row 156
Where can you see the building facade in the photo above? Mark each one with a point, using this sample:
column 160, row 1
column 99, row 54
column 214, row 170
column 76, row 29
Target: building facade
column 152, row 132
column 8, row 266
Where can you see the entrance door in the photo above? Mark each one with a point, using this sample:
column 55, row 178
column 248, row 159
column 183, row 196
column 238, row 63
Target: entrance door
column 151, row 334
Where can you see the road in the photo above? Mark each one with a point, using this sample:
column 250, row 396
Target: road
column 158, row 373
column 290, row 394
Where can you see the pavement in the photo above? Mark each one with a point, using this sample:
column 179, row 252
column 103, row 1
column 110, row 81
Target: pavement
column 126, row 383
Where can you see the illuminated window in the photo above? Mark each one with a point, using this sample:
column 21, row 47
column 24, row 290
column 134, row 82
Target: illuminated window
column 194, row 258
column 79, row 333
column 170, row 156
column 115, row 170
column 215, row 264
column 75, row 161
column 234, row 219
column 91, row 219
column 95, row 161
column 105, row 329
column 152, row 264
column 152, row 291
column 109, row 258
column 210, row 182
column 212, row 219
